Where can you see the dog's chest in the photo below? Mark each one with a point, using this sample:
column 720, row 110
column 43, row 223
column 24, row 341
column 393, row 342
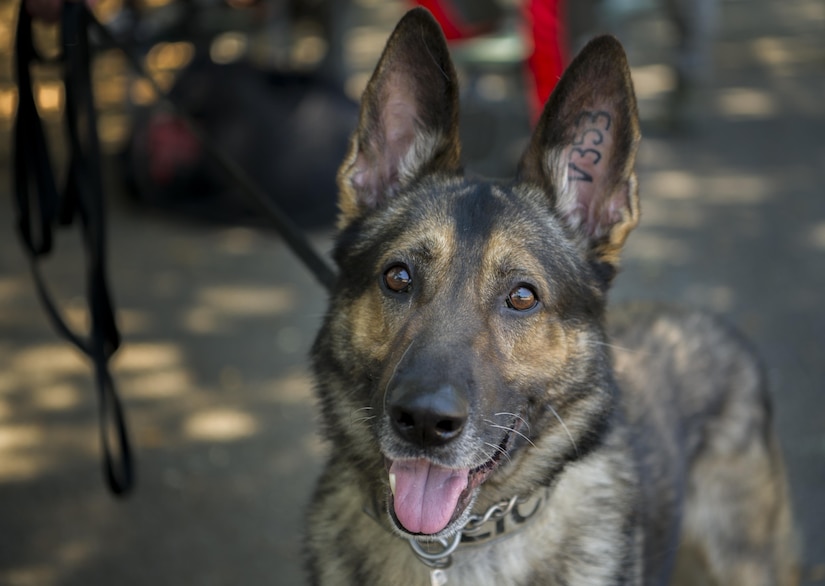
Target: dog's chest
column 505, row 562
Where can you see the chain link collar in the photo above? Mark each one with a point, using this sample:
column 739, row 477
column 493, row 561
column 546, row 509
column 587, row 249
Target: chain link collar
column 498, row 522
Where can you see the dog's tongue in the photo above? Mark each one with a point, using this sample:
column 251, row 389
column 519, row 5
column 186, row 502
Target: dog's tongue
column 426, row 495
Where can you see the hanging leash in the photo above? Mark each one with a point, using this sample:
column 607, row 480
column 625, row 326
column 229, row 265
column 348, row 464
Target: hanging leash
column 41, row 209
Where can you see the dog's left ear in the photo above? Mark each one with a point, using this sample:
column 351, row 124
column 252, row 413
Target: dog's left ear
column 583, row 151
column 408, row 124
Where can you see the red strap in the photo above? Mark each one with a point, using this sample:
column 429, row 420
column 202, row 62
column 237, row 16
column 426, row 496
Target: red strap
column 549, row 57
column 454, row 27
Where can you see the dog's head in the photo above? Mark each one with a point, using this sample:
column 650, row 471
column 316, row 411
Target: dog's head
column 463, row 356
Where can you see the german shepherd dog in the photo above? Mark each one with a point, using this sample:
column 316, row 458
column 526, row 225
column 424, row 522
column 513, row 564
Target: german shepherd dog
column 488, row 422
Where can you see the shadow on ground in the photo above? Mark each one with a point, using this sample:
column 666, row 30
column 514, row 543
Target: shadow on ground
column 218, row 322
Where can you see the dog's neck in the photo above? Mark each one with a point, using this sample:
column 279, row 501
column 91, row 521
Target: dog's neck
column 502, row 520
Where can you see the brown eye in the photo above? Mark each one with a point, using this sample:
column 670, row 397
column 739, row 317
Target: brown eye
column 398, row 279
column 522, row 298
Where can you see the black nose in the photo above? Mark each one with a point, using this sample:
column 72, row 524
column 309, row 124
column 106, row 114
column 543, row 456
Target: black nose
column 428, row 418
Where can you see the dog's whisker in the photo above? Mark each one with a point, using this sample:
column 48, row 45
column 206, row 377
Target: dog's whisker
column 498, row 449
column 511, row 430
column 354, row 421
column 482, row 454
column 514, row 415
column 564, row 426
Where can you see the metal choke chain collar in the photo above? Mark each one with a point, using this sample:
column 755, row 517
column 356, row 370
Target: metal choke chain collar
column 438, row 554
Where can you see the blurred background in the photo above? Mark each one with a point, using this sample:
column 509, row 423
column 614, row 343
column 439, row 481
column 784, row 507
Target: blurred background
column 218, row 315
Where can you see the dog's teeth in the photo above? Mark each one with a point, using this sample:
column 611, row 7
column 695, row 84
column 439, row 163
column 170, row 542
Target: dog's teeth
column 392, row 483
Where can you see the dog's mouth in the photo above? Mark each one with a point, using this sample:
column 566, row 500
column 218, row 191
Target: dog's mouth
column 427, row 498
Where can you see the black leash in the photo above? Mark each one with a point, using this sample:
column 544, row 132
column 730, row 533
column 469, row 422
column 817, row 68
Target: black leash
column 40, row 210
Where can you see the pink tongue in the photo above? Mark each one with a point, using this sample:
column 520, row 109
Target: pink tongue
column 426, row 495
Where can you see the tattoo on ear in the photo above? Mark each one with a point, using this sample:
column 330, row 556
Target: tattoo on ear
column 586, row 151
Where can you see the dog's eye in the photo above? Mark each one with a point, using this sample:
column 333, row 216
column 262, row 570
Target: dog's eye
column 397, row 278
column 522, row 298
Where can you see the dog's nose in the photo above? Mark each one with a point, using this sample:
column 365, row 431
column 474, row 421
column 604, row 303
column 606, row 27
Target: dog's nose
column 430, row 418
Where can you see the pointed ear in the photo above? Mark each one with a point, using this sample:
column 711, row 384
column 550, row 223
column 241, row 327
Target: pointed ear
column 583, row 152
column 408, row 124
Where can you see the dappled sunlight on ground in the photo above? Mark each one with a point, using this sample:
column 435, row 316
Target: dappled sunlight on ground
column 734, row 103
column 816, row 236
column 219, row 425
column 653, row 81
column 217, row 322
column 724, row 189
column 220, row 408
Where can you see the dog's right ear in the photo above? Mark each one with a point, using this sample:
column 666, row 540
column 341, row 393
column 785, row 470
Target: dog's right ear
column 408, row 124
column 583, row 153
